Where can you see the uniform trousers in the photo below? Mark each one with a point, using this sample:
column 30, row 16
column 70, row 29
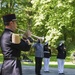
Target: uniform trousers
column 11, row 67
column 38, row 65
column 46, row 64
column 60, row 65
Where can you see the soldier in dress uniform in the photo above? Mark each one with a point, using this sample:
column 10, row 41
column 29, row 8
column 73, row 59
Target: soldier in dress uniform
column 47, row 55
column 61, row 57
column 11, row 47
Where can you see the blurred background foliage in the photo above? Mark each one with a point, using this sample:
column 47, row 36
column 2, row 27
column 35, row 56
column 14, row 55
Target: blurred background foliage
column 52, row 19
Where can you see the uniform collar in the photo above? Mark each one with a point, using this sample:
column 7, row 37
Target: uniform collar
column 8, row 29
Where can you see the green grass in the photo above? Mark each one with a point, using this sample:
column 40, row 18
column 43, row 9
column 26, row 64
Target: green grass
column 1, row 57
column 53, row 58
column 53, row 66
column 66, row 66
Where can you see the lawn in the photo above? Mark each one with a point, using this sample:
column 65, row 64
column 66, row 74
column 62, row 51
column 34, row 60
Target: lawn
column 53, row 59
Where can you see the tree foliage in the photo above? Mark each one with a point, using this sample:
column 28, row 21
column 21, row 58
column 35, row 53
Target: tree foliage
column 53, row 19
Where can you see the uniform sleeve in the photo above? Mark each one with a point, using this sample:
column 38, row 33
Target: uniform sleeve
column 22, row 46
column 50, row 51
column 58, row 48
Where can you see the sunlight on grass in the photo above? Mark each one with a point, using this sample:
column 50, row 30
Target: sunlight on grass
column 53, row 59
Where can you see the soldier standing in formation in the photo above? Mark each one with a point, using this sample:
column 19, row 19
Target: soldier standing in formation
column 47, row 55
column 61, row 57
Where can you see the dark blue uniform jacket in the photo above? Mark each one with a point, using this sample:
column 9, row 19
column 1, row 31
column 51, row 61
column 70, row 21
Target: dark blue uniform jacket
column 11, row 54
column 61, row 52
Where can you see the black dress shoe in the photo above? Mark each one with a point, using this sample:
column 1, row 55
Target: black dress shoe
column 38, row 74
column 61, row 74
column 46, row 71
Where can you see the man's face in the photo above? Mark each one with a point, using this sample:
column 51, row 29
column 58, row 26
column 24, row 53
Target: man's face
column 14, row 25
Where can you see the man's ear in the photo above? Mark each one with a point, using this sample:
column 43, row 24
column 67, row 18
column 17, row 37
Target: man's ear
column 10, row 22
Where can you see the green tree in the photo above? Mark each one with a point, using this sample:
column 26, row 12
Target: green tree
column 54, row 19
